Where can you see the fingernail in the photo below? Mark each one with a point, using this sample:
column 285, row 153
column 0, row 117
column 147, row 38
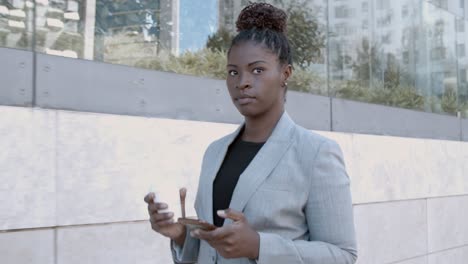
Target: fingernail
column 221, row 213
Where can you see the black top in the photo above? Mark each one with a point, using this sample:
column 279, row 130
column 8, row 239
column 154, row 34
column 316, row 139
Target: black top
column 239, row 155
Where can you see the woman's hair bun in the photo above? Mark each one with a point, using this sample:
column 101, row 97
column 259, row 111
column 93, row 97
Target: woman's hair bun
column 262, row 16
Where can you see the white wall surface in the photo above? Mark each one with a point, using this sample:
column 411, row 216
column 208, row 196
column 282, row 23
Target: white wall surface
column 81, row 177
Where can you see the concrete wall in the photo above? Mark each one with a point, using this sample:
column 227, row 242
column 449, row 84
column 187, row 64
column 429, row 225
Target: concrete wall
column 72, row 187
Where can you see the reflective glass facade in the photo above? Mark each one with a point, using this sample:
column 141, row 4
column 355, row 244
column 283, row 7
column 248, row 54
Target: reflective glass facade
column 403, row 53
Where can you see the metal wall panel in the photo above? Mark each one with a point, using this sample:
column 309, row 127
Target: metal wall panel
column 82, row 85
column 16, row 77
column 308, row 110
column 357, row 117
column 98, row 87
column 464, row 129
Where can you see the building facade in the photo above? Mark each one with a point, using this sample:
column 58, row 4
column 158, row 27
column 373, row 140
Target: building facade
column 103, row 101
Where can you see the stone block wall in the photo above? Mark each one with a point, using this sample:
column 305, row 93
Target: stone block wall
column 72, row 187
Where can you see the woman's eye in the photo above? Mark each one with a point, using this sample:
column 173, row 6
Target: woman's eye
column 232, row 73
column 257, row 70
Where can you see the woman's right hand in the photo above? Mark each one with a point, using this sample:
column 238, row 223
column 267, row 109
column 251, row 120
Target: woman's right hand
column 163, row 223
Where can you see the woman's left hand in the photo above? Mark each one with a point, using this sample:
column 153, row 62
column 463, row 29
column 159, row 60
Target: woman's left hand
column 232, row 241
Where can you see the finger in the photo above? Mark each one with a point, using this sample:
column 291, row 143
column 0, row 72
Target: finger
column 231, row 214
column 149, row 198
column 154, row 207
column 162, row 217
column 164, row 223
column 183, row 192
column 215, row 235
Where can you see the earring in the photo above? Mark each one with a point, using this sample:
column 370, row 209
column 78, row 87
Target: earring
column 285, row 84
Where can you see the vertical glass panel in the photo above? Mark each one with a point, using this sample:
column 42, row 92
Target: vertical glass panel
column 182, row 36
column 307, row 25
column 456, row 7
column 59, row 27
column 111, row 31
column 396, row 40
column 404, row 55
column 462, row 42
column 16, row 25
column 133, row 32
column 436, row 67
column 351, row 49
column 306, row 32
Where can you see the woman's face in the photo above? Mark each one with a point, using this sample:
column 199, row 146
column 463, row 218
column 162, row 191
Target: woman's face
column 255, row 79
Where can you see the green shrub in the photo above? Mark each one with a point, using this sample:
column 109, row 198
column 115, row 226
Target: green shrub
column 400, row 96
column 449, row 101
column 464, row 109
column 206, row 63
column 211, row 63
column 307, row 81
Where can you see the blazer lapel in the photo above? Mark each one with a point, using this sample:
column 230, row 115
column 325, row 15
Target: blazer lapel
column 262, row 165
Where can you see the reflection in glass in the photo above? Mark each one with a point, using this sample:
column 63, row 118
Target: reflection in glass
column 351, row 50
column 59, row 27
column 456, row 7
column 166, row 35
column 207, row 57
column 306, row 32
column 403, row 56
column 127, row 31
column 437, row 69
column 16, row 23
column 462, row 42
column 403, row 53
column 397, row 39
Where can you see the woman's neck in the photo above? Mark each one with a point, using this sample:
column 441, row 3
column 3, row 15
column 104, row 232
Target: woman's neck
column 259, row 129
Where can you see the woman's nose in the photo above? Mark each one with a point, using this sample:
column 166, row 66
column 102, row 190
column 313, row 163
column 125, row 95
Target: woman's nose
column 244, row 82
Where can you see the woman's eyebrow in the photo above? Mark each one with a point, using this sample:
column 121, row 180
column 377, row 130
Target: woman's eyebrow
column 250, row 64
column 255, row 62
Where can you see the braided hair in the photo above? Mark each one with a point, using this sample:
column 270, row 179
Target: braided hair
column 264, row 24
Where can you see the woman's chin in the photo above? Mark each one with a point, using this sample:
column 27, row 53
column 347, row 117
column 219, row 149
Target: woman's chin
column 245, row 110
column 248, row 112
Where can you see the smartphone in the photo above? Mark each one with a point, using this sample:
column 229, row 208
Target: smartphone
column 194, row 223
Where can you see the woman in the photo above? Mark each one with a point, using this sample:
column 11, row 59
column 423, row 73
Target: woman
column 277, row 192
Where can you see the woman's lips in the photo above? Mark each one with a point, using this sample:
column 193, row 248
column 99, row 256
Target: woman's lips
column 245, row 100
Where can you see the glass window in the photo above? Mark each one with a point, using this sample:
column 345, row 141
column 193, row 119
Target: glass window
column 441, row 89
column 341, row 11
column 461, row 50
column 365, row 7
column 403, row 53
column 460, row 27
column 404, row 11
column 307, row 30
column 382, row 4
column 350, row 55
column 397, row 40
column 453, row 6
column 16, row 24
column 462, row 41
column 440, row 3
column 443, row 4
column 365, row 24
column 178, row 36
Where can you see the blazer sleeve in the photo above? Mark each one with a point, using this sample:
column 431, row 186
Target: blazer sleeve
column 329, row 215
column 188, row 253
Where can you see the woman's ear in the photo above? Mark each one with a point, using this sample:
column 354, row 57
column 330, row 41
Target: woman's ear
column 286, row 73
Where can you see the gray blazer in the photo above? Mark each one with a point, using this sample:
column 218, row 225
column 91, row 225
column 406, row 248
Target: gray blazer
column 295, row 193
